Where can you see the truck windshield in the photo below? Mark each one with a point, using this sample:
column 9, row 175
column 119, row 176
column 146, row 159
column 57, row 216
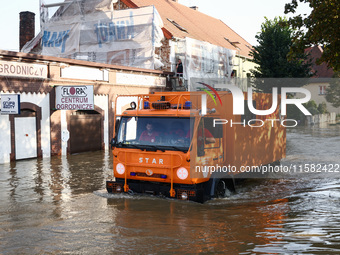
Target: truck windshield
column 163, row 133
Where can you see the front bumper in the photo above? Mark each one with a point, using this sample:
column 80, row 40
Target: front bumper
column 195, row 192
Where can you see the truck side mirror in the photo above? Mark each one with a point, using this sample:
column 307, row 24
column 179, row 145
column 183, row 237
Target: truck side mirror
column 113, row 142
column 117, row 125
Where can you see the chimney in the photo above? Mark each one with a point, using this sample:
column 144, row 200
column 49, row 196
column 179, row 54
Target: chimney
column 27, row 28
column 194, row 8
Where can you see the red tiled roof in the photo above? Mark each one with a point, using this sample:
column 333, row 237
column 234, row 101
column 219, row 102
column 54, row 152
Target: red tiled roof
column 322, row 70
column 198, row 25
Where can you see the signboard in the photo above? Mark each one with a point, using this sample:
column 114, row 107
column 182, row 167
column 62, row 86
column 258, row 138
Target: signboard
column 22, row 69
column 10, row 104
column 74, row 98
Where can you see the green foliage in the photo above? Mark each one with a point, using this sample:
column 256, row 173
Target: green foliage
column 295, row 113
column 312, row 107
column 271, row 55
column 320, row 27
column 313, row 110
column 333, row 91
column 311, row 104
column 322, row 108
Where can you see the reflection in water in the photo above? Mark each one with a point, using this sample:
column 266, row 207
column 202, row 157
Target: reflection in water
column 60, row 206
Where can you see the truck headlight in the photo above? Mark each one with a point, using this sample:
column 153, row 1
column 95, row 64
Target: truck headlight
column 120, row 168
column 182, row 173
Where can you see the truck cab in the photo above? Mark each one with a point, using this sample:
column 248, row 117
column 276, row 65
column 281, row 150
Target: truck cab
column 165, row 144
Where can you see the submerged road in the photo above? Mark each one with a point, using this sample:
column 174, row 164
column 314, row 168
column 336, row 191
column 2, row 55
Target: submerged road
column 60, row 206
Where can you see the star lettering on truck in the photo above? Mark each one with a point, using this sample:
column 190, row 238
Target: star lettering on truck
column 151, row 160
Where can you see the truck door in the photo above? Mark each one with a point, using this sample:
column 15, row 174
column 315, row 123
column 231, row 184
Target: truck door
column 209, row 143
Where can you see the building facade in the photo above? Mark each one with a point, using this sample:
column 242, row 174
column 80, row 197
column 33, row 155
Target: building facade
column 40, row 130
column 319, row 83
column 117, row 47
column 112, row 33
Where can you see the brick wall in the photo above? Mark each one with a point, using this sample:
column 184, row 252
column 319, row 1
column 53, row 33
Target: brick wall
column 164, row 53
column 27, row 28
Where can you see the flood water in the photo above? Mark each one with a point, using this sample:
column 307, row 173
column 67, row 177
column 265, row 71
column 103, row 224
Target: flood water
column 60, row 206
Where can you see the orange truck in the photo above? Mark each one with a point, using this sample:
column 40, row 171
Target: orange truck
column 189, row 146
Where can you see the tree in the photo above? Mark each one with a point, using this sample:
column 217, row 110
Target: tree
column 271, row 56
column 320, row 27
column 312, row 107
column 322, row 108
column 333, row 91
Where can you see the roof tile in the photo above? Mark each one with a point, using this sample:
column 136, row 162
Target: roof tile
column 196, row 24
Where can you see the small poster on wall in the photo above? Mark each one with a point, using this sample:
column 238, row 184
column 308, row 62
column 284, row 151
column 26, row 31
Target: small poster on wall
column 10, row 104
column 74, row 98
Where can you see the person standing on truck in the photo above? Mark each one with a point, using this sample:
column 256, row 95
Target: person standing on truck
column 149, row 135
column 179, row 71
column 179, row 68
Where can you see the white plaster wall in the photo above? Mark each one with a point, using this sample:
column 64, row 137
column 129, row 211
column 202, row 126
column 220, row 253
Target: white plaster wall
column 247, row 66
column 103, row 103
column 123, row 102
column 5, row 139
column 314, row 90
column 43, row 101
column 65, row 134
column 139, row 80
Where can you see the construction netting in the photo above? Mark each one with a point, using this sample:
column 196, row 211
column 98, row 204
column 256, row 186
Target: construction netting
column 92, row 30
column 204, row 61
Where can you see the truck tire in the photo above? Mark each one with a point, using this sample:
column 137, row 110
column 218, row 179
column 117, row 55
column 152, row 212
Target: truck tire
column 224, row 188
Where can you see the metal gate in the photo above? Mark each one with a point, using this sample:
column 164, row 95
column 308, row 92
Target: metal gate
column 85, row 132
column 25, row 137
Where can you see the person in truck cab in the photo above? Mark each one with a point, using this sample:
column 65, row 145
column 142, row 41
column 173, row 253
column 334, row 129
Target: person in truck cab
column 177, row 130
column 204, row 134
column 149, row 135
column 176, row 135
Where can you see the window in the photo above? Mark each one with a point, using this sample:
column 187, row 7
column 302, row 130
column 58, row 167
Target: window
column 232, row 43
column 163, row 133
column 322, row 90
column 208, row 136
column 128, row 130
column 177, row 25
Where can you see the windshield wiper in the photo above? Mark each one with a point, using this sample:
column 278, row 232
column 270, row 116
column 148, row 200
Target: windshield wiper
column 123, row 144
column 135, row 146
column 177, row 148
column 150, row 147
column 154, row 147
column 120, row 144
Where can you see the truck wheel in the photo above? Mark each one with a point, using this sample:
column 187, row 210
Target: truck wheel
column 222, row 190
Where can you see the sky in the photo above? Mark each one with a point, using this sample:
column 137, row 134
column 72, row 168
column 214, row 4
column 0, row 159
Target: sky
column 243, row 16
